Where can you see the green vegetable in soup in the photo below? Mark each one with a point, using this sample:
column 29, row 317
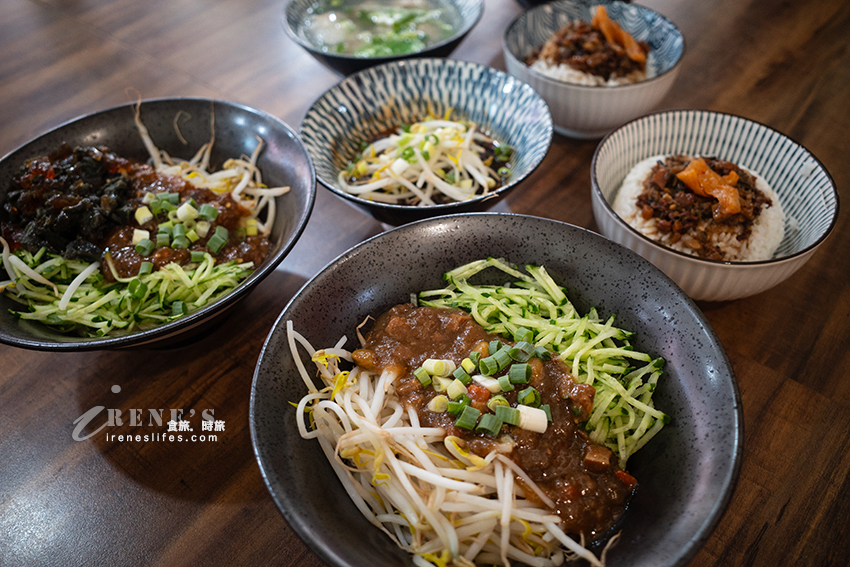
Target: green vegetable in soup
column 372, row 29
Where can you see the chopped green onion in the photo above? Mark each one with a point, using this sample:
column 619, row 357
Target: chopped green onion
column 488, row 366
column 165, row 227
column 548, row 411
column 542, row 353
column 503, row 359
column 180, row 242
column 462, row 375
column 203, row 228
column 475, row 357
column 494, row 347
column 489, row 424
column 529, row 397
column 178, row 229
column 520, row 373
column 198, row 256
column 187, row 212
column 208, row 212
column 215, row 244
column 505, row 383
column 532, row 419
column 468, row 418
column 440, row 384
column 192, row 235
column 456, row 389
column 438, row 367
column 490, row 383
column 137, row 288
column 468, row 365
column 507, row 414
column 145, row 247
column 497, row 401
column 438, row 404
column 523, row 335
column 145, row 268
column 423, row 376
column 454, row 407
column 521, row 352
column 143, row 215
column 162, row 239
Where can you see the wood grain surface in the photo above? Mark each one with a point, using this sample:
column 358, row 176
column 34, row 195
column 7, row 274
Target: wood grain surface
column 102, row 502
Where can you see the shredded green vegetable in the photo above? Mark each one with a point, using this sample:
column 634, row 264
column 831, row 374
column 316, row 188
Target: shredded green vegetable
column 624, row 417
column 96, row 307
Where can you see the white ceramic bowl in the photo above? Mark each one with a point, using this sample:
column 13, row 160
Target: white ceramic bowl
column 805, row 189
column 588, row 112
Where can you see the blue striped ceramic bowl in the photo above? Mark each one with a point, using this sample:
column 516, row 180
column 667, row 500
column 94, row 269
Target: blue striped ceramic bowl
column 297, row 12
column 367, row 104
column 805, row 189
column 587, row 112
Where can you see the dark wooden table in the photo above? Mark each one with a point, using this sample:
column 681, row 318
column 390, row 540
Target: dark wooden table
column 103, row 502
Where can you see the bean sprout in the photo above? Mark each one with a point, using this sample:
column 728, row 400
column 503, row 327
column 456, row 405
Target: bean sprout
column 432, row 162
column 408, row 481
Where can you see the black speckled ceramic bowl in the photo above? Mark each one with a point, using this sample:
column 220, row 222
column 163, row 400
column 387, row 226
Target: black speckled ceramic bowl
column 687, row 472
column 283, row 161
column 295, row 18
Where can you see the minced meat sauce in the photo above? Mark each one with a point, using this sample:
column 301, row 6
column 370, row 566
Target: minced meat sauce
column 582, row 478
column 679, row 211
column 585, row 48
column 81, row 202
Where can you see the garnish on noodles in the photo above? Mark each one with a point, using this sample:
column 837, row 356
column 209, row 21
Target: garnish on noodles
column 435, row 161
column 485, row 424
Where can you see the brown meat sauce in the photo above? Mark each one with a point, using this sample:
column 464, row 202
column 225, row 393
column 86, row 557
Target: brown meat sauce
column 70, row 197
column 585, row 49
column 679, row 211
column 579, row 475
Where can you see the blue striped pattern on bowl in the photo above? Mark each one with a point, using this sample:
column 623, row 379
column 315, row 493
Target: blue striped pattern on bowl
column 364, row 105
column 805, row 189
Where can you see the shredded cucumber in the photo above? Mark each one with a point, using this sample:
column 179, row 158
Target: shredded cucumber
column 97, row 307
column 624, row 417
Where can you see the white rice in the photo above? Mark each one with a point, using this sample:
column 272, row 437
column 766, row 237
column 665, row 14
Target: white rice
column 563, row 72
column 765, row 237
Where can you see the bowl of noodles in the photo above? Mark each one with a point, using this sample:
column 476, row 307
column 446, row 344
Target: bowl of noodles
column 140, row 224
column 351, row 35
column 420, row 138
column 521, row 398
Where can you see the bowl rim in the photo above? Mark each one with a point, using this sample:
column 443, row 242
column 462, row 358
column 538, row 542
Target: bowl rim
column 142, row 338
column 457, row 36
column 442, row 208
column 597, row 193
column 538, row 76
column 688, row 551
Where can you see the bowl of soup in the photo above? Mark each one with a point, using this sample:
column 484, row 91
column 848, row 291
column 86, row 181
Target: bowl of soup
column 350, row 35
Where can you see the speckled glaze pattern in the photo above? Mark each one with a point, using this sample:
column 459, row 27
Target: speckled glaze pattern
column 687, row 472
column 588, row 112
column 362, row 106
column 283, row 161
column 296, row 12
column 806, row 191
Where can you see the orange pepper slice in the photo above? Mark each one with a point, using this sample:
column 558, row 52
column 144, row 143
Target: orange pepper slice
column 704, row 181
column 615, row 34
